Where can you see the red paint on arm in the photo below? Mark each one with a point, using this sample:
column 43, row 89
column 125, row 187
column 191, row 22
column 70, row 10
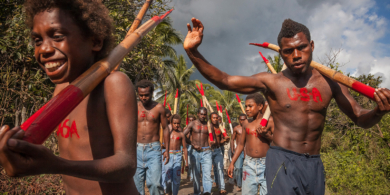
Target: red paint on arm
column 364, row 89
column 55, row 111
column 211, row 136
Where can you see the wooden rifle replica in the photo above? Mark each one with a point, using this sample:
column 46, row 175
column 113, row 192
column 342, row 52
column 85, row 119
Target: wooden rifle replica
column 332, row 74
column 42, row 123
column 221, row 126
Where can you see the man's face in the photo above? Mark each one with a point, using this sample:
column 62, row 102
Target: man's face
column 297, row 53
column 202, row 115
column 241, row 119
column 214, row 119
column 175, row 124
column 220, row 119
column 61, row 49
column 251, row 108
column 168, row 116
column 191, row 119
column 144, row 95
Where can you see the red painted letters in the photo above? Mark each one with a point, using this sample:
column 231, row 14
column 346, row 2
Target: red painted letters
column 69, row 130
column 304, row 94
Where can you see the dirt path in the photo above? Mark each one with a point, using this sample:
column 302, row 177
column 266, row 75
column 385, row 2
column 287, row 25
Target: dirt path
column 186, row 187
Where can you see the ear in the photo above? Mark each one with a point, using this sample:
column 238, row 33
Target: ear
column 312, row 45
column 97, row 44
column 261, row 108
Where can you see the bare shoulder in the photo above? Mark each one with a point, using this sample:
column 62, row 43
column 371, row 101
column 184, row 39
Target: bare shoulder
column 119, row 80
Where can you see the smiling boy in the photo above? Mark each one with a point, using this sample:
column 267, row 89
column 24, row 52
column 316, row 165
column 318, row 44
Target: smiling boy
column 97, row 140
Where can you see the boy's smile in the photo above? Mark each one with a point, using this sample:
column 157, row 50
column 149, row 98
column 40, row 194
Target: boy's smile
column 62, row 49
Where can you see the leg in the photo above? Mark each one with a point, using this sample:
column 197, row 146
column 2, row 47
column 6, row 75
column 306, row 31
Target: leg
column 218, row 166
column 164, row 170
column 139, row 176
column 153, row 173
column 195, row 158
column 261, row 176
column 206, row 171
column 176, row 174
column 238, row 169
column 168, row 177
column 249, row 183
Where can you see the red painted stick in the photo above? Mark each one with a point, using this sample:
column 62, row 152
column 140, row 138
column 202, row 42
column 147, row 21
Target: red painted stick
column 216, row 103
column 165, row 99
column 201, row 103
column 169, row 107
column 187, row 116
column 239, row 102
column 332, row 74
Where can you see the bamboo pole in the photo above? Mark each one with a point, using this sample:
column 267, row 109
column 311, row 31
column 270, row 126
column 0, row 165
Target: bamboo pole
column 201, row 91
column 137, row 22
column 332, row 74
column 41, row 124
column 176, row 98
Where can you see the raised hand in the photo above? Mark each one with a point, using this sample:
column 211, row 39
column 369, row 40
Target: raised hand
column 382, row 98
column 194, row 36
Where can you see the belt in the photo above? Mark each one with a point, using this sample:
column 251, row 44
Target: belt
column 174, row 151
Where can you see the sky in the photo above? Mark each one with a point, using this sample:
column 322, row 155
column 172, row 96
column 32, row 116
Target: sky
column 356, row 28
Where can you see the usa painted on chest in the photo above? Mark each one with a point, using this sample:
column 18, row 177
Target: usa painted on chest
column 304, row 94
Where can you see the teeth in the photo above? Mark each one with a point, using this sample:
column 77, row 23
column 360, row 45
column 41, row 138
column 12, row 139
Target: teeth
column 52, row 64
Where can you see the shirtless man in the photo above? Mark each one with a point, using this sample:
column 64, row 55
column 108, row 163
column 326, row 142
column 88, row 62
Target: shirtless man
column 217, row 156
column 256, row 147
column 168, row 115
column 172, row 170
column 97, row 139
column 233, row 144
column 201, row 151
column 298, row 97
column 150, row 115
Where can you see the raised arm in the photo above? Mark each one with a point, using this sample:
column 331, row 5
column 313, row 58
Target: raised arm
column 360, row 116
column 240, row 84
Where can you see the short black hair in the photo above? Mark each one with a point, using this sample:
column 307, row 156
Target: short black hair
column 257, row 97
column 175, row 116
column 234, row 124
column 290, row 28
column 167, row 111
column 92, row 17
column 242, row 114
column 192, row 116
column 202, row 108
column 211, row 114
column 145, row 84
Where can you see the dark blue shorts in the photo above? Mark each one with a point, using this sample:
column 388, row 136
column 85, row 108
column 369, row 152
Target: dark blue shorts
column 289, row 172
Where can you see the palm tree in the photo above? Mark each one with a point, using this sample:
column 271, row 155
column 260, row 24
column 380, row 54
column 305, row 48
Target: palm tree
column 178, row 77
column 276, row 62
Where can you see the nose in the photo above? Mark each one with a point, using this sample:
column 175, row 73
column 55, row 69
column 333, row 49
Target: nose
column 296, row 54
column 46, row 49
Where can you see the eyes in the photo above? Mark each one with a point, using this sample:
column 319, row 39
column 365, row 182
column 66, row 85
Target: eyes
column 291, row 50
column 57, row 38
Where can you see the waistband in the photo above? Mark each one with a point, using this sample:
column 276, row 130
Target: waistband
column 307, row 155
column 156, row 143
column 174, row 151
column 203, row 149
column 254, row 159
